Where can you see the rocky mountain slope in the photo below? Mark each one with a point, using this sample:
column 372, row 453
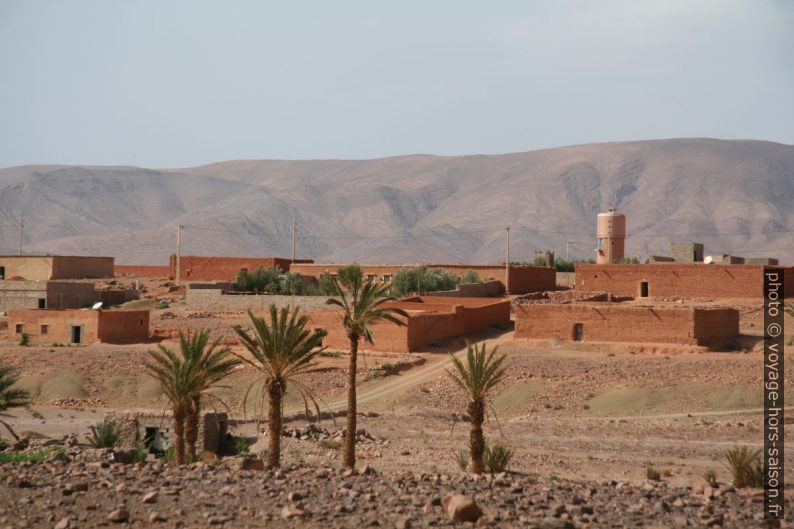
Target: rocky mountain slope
column 734, row 196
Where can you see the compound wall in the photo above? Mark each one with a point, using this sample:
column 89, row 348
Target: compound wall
column 430, row 319
column 225, row 268
column 95, row 326
column 607, row 322
column 681, row 280
column 207, row 298
column 162, row 272
column 45, row 267
column 52, row 294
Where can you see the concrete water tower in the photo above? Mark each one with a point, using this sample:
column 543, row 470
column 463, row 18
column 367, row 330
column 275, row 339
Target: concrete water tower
column 611, row 233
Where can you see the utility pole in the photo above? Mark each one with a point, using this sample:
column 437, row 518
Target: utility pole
column 567, row 247
column 21, row 232
column 293, row 240
column 507, row 263
column 178, row 257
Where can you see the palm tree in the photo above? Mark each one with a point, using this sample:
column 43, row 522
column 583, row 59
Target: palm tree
column 184, row 378
column 9, row 397
column 213, row 365
column 483, row 370
column 282, row 349
column 362, row 306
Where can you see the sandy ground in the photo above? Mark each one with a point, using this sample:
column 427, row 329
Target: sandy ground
column 576, row 411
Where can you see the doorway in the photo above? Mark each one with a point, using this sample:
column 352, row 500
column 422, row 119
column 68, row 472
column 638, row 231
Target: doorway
column 42, row 303
column 2, row 272
column 644, row 289
column 77, row 334
column 578, row 332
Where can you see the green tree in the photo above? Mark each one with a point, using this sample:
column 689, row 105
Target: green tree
column 184, row 378
column 361, row 306
column 260, row 280
column 471, row 276
column 477, row 377
column 282, row 349
column 11, row 397
column 422, row 279
column 349, row 274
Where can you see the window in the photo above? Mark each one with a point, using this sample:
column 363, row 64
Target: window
column 370, row 277
column 19, row 328
column 44, row 329
column 644, row 289
column 386, row 278
column 2, row 272
column 578, row 332
column 42, row 303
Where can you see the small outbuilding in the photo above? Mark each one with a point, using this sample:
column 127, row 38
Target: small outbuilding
column 79, row 326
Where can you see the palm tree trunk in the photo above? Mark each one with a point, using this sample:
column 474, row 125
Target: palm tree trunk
column 350, row 430
column 179, row 434
column 191, row 427
column 275, row 392
column 10, row 430
column 476, row 438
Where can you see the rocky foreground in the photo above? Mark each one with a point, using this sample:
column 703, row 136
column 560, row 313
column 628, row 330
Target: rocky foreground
column 64, row 495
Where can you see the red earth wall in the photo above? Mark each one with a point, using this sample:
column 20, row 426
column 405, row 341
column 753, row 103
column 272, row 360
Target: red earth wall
column 681, row 280
column 97, row 326
column 605, row 322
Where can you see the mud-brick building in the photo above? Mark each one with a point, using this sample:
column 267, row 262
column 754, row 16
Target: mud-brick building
column 155, row 431
column 79, row 326
column 614, row 322
column 45, row 294
column 521, row 279
column 430, row 319
column 694, row 280
column 46, row 267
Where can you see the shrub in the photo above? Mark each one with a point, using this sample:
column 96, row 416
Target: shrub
column 710, row 477
column 325, row 285
column 497, row 457
column 242, row 446
column 141, row 452
column 330, row 444
column 24, row 340
column 105, row 434
column 746, row 466
column 652, row 474
column 470, row 276
column 162, row 305
column 462, row 459
column 422, row 279
column 21, row 457
column 261, row 280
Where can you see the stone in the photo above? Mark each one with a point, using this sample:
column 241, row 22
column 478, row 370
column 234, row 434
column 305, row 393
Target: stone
column 461, row 508
column 65, row 523
column 150, row 497
column 249, row 464
column 156, row 517
column 291, row 512
column 119, row 515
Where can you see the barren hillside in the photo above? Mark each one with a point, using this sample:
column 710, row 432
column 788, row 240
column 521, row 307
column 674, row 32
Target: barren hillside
column 412, row 208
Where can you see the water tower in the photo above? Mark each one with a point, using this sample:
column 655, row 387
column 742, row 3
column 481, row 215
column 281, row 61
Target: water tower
column 611, row 233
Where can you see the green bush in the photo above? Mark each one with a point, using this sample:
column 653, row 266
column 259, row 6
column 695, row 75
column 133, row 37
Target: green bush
column 260, row 281
column 24, row 340
column 162, row 305
column 21, row 457
column 462, row 459
column 497, row 457
column 325, row 285
column 105, row 434
column 470, row 276
column 710, row 477
column 422, row 279
column 746, row 466
column 242, row 446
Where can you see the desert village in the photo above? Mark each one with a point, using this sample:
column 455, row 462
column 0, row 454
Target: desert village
column 669, row 321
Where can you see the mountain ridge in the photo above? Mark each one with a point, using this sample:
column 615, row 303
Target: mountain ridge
column 447, row 208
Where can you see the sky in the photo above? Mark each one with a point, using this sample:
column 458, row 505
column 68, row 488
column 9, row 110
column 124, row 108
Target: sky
column 169, row 83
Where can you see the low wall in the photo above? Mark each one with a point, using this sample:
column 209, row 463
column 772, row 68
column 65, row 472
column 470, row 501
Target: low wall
column 201, row 298
column 606, row 322
column 163, row 272
column 486, row 289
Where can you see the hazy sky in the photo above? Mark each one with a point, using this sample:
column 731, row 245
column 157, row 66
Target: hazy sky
column 180, row 83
